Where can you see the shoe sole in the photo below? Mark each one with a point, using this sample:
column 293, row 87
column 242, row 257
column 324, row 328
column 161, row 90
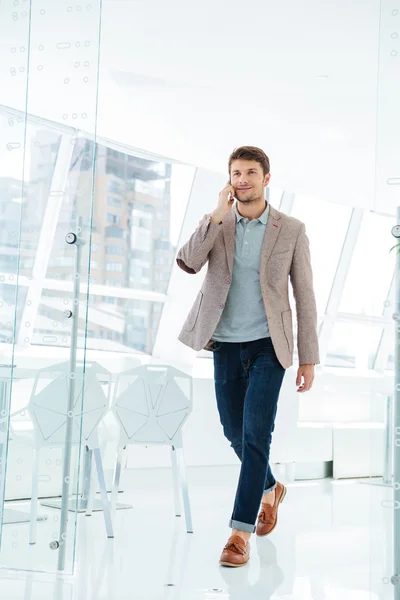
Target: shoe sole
column 226, row 564
column 281, row 499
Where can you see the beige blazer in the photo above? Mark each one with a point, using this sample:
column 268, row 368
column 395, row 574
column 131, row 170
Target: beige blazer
column 285, row 254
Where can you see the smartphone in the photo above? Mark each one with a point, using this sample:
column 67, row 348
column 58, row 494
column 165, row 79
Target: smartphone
column 231, row 196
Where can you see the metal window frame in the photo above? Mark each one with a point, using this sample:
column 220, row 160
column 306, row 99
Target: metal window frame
column 385, row 344
column 339, row 281
column 46, row 239
column 332, row 314
column 60, row 174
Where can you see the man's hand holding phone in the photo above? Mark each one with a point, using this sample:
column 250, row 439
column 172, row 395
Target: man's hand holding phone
column 225, row 203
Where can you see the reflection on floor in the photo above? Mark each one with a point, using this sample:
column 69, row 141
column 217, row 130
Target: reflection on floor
column 333, row 542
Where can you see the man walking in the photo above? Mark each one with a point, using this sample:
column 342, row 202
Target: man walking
column 242, row 314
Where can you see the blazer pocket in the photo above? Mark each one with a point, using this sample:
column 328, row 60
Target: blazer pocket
column 288, row 327
column 194, row 313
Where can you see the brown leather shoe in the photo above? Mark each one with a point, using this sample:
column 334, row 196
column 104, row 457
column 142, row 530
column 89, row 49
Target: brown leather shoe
column 236, row 552
column 268, row 517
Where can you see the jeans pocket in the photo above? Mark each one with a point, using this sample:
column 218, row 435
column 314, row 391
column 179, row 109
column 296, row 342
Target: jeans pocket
column 216, row 346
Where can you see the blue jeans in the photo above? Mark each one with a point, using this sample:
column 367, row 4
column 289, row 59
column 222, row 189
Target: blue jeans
column 248, row 378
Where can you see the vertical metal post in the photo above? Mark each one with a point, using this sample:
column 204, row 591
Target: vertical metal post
column 34, row 495
column 87, row 478
column 72, row 239
column 388, row 467
column 92, row 488
column 396, row 480
column 4, row 411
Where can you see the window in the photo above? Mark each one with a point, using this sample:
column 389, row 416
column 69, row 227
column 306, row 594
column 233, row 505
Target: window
column 114, row 186
column 138, row 254
column 150, row 188
column 142, row 220
column 275, row 196
column 391, row 360
column 114, row 250
column 114, row 232
column 116, row 267
column 115, row 167
column 372, row 267
column 114, row 202
column 125, row 237
column 353, row 345
column 113, row 219
column 161, row 276
column 113, row 282
column 325, row 242
column 65, row 261
column 27, row 263
column 142, row 239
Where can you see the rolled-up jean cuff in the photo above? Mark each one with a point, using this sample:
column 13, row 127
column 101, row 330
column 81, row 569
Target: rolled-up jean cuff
column 242, row 526
column 271, row 489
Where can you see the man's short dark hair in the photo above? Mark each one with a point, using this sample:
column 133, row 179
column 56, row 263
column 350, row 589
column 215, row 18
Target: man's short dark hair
column 250, row 153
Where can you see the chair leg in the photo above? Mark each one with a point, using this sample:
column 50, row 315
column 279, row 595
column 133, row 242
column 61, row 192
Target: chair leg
column 28, row 587
column 175, row 481
column 185, row 489
column 90, row 483
column 103, row 492
column 116, row 482
column 34, row 496
column 172, row 559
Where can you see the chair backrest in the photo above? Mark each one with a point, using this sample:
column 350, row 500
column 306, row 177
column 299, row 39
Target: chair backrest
column 48, row 405
column 151, row 403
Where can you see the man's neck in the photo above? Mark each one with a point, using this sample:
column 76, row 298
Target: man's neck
column 253, row 210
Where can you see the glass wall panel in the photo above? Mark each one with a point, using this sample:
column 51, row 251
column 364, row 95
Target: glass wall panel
column 353, row 346
column 371, row 268
column 326, row 227
column 48, row 88
column 139, row 205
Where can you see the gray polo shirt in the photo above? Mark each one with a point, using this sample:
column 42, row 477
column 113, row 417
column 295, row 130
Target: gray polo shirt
column 243, row 318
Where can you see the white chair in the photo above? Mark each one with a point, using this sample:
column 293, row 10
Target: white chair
column 47, row 409
column 151, row 405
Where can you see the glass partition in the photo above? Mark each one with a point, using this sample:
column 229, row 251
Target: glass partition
column 88, row 236
column 48, row 89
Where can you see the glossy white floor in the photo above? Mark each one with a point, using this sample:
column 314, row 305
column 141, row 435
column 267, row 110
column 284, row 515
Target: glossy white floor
column 333, row 542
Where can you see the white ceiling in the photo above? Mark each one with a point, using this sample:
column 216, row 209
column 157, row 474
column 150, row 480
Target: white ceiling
column 191, row 81
column 297, row 78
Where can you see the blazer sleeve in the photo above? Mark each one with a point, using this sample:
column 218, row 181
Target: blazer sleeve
column 194, row 254
column 301, row 278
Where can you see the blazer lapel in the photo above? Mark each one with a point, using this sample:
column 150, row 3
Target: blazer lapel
column 272, row 232
column 271, row 235
column 229, row 231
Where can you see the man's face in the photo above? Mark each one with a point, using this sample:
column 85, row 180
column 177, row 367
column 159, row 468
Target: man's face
column 248, row 180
